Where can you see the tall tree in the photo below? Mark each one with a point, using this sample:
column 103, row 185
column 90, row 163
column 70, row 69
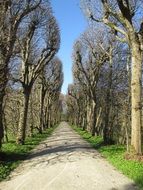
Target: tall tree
column 122, row 16
column 34, row 57
column 12, row 13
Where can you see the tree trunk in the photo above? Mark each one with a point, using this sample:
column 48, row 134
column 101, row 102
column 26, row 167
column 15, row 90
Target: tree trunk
column 98, row 121
column 106, row 135
column 23, row 118
column 88, row 115
column 3, row 82
column 5, row 128
column 31, row 117
column 91, row 116
column 45, row 117
column 49, row 119
column 41, row 127
column 128, row 114
column 1, row 121
column 136, row 84
column 127, row 134
column 106, row 130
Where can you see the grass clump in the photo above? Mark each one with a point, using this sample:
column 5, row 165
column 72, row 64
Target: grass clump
column 12, row 154
column 115, row 154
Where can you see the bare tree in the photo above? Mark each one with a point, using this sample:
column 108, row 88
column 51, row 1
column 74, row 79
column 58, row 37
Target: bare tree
column 34, row 58
column 87, row 66
column 121, row 16
column 12, row 14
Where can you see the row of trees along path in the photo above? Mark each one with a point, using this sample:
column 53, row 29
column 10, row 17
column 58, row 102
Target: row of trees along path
column 30, row 73
column 107, row 70
column 105, row 97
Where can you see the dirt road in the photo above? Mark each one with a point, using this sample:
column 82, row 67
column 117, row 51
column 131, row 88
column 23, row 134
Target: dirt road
column 66, row 162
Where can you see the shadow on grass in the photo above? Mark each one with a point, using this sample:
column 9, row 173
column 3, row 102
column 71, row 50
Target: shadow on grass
column 113, row 149
column 8, row 162
column 139, row 180
column 11, row 157
column 98, row 145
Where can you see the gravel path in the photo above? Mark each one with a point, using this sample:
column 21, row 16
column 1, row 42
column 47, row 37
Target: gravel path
column 66, row 162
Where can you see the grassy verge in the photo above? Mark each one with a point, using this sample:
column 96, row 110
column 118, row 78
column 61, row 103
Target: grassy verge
column 13, row 154
column 115, row 155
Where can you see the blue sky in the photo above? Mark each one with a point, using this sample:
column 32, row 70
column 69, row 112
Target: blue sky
column 72, row 23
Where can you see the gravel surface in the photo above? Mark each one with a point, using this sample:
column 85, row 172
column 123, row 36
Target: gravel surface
column 66, row 162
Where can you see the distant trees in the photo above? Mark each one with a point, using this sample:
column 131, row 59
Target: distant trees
column 29, row 41
column 51, row 80
column 88, row 62
column 125, row 19
column 75, row 103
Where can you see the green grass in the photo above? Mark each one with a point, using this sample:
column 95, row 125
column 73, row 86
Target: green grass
column 115, row 155
column 13, row 154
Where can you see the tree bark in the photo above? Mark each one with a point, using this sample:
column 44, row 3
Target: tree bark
column 91, row 116
column 23, row 118
column 41, row 127
column 1, row 121
column 31, row 117
column 136, row 86
column 49, row 121
column 88, row 115
column 5, row 128
column 98, row 122
column 45, row 117
column 3, row 82
column 106, row 134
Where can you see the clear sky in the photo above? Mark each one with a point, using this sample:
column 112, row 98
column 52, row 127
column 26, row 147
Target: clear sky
column 72, row 23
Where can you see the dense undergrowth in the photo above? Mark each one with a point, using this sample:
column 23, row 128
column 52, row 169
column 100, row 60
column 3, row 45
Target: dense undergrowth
column 115, row 154
column 12, row 154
